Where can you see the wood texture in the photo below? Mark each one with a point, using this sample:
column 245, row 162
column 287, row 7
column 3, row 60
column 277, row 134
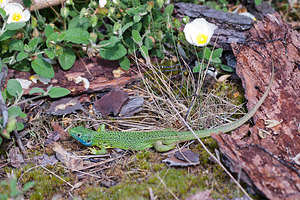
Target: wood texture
column 269, row 163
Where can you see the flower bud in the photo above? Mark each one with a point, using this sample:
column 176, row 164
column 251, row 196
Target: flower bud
column 64, row 11
column 93, row 4
column 93, row 37
column 94, row 21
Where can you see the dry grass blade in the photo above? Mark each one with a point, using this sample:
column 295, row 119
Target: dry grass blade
column 212, row 155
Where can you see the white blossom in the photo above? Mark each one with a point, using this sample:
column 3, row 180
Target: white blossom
column 199, row 32
column 16, row 13
column 102, row 3
column 3, row 3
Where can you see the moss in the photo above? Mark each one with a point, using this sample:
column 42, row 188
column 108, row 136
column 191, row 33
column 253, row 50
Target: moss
column 147, row 171
column 165, row 184
column 46, row 184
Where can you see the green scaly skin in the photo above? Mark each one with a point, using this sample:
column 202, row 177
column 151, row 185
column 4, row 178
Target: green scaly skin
column 160, row 140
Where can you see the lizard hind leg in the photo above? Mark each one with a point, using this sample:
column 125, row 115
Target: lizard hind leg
column 160, row 147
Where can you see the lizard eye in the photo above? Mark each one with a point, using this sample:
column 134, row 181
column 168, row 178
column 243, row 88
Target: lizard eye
column 78, row 135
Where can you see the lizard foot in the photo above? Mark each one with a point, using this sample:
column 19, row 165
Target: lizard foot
column 160, row 147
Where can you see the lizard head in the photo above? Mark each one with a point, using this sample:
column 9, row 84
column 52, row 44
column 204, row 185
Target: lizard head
column 82, row 135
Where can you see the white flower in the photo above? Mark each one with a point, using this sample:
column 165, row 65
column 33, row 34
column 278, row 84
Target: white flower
column 16, row 13
column 3, row 3
column 102, row 3
column 199, row 32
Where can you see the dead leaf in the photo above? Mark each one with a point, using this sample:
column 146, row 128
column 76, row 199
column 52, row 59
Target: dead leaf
column 183, row 158
column 67, row 158
column 270, row 123
column 111, row 102
column 118, row 72
column 203, row 195
column 15, row 157
column 132, row 106
column 45, row 160
column 223, row 78
column 64, row 106
column 56, row 127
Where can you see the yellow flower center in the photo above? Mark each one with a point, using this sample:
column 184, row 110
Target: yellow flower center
column 202, row 39
column 16, row 17
column 1, row 1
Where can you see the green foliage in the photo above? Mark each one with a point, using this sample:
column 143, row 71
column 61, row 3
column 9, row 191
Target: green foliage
column 43, row 68
column 56, row 92
column 9, row 188
column 14, row 88
column 67, row 58
column 257, row 2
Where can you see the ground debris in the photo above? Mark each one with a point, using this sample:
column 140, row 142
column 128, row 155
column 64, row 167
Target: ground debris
column 64, row 106
column 86, row 75
column 267, row 163
column 183, row 158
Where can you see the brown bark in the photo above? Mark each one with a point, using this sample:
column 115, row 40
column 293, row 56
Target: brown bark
column 40, row 4
column 269, row 162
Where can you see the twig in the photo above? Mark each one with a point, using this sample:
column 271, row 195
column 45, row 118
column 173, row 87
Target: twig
column 19, row 142
column 162, row 181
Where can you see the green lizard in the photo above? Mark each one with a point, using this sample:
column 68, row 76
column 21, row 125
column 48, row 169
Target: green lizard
column 160, row 140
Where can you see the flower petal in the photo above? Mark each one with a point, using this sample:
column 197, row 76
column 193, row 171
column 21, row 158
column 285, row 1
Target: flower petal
column 25, row 16
column 13, row 7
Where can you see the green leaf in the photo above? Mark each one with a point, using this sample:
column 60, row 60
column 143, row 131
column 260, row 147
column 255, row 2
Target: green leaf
column 226, row 68
column 67, row 59
column 14, row 111
column 126, row 26
column 2, row 13
column 23, row 115
column 207, row 53
column 20, row 126
column 22, row 55
column 28, row 185
column 0, row 144
column 33, row 43
column 144, row 51
column 148, row 43
column 6, row 35
column 14, row 87
column 216, row 60
column 113, row 53
column 124, row 63
column 48, row 30
column 257, row 2
column 16, row 45
column 217, row 53
column 136, row 36
column 169, row 9
column 51, row 40
column 27, row 3
column 137, row 18
column 50, row 53
column 56, row 92
column 77, row 36
column 110, row 43
column 36, row 90
column 42, row 68
column 15, row 26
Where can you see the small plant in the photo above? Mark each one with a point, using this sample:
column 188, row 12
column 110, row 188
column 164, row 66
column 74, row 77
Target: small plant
column 12, row 96
column 9, row 188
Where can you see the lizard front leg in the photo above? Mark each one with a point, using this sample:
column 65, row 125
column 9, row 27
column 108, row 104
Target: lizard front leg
column 98, row 152
column 160, row 147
